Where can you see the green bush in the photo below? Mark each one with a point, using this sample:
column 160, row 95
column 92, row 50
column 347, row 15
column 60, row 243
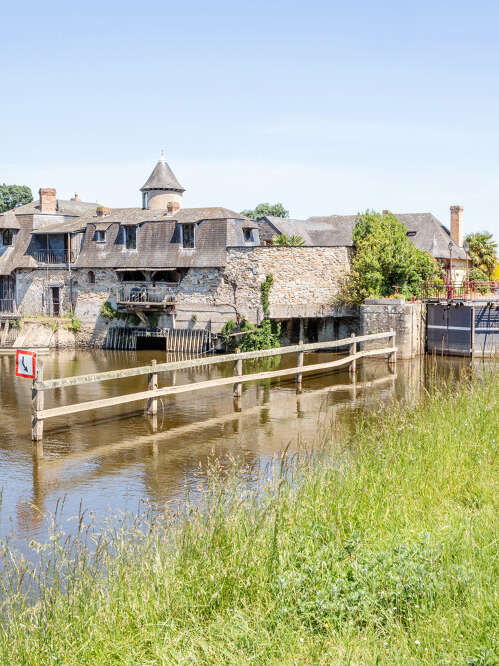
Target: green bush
column 108, row 312
column 75, row 324
column 477, row 275
column 383, row 258
column 265, row 336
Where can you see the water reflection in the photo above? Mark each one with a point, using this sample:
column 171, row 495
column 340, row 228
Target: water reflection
column 111, row 459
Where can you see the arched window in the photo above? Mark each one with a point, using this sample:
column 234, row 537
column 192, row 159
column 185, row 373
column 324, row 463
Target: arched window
column 91, row 277
column 7, row 237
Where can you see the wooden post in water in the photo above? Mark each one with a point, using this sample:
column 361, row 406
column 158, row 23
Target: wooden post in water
column 299, row 364
column 238, row 371
column 300, row 357
column 37, row 400
column 353, row 350
column 152, row 384
column 392, row 356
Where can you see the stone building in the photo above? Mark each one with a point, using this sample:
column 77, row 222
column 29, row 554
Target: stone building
column 180, row 268
column 173, row 267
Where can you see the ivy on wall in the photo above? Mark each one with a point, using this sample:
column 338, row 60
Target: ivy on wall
column 249, row 337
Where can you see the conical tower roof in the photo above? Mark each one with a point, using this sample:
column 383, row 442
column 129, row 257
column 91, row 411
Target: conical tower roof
column 162, row 178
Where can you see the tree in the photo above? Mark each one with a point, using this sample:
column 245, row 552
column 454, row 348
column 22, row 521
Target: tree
column 483, row 252
column 385, row 258
column 275, row 210
column 288, row 241
column 12, row 196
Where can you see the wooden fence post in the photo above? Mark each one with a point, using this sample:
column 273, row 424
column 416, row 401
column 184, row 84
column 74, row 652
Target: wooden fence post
column 299, row 364
column 37, row 401
column 152, row 385
column 238, row 371
column 353, row 350
column 392, row 356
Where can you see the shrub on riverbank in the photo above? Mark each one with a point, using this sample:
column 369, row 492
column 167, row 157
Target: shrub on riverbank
column 382, row 551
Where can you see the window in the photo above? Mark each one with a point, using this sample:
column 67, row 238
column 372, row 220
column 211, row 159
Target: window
column 100, row 236
column 7, row 238
column 410, row 234
column 131, row 238
column 91, row 277
column 248, row 235
column 188, row 235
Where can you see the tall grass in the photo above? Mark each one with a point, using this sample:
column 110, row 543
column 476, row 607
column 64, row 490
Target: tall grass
column 384, row 552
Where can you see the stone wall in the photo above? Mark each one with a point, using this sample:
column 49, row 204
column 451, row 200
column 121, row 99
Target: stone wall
column 91, row 297
column 305, row 282
column 406, row 319
column 33, row 290
column 304, row 278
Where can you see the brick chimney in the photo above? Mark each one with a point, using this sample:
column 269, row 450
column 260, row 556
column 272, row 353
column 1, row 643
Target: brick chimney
column 75, row 198
column 48, row 201
column 456, row 224
column 386, row 212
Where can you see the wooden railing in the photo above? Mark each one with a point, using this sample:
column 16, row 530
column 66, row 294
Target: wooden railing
column 136, row 294
column 151, row 395
column 55, row 256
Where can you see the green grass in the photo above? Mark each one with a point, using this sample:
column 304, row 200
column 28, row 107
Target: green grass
column 383, row 550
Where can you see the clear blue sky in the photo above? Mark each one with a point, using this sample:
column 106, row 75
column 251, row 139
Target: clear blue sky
column 329, row 107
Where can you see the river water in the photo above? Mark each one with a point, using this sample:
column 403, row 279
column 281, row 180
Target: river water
column 110, row 460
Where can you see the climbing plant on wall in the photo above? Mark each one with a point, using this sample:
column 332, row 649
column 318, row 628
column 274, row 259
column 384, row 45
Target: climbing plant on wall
column 249, row 337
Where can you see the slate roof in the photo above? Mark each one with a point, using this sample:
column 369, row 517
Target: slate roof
column 337, row 230
column 314, row 233
column 431, row 235
column 9, row 221
column 15, row 256
column 162, row 178
column 184, row 215
column 63, row 207
column 158, row 246
column 158, row 238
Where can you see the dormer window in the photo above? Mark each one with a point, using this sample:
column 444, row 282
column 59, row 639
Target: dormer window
column 7, row 238
column 131, row 238
column 188, row 235
column 100, row 236
column 248, row 235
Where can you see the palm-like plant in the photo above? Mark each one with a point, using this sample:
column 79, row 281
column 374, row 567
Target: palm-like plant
column 288, row 241
column 482, row 251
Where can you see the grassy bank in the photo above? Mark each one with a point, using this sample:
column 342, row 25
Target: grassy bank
column 388, row 556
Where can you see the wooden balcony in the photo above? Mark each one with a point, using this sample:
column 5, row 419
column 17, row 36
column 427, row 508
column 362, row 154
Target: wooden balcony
column 135, row 297
column 55, row 256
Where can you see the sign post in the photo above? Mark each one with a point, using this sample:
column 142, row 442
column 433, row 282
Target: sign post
column 29, row 367
column 25, row 364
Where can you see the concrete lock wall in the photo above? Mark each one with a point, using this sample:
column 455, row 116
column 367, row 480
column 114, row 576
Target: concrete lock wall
column 406, row 319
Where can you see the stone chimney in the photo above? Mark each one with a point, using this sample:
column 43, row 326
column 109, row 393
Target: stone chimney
column 456, row 224
column 386, row 212
column 75, row 198
column 48, row 201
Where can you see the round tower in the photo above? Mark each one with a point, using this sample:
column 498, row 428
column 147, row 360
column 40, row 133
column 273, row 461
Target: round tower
column 162, row 189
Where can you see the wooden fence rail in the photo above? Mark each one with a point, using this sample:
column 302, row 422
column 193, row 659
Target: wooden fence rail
column 39, row 414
